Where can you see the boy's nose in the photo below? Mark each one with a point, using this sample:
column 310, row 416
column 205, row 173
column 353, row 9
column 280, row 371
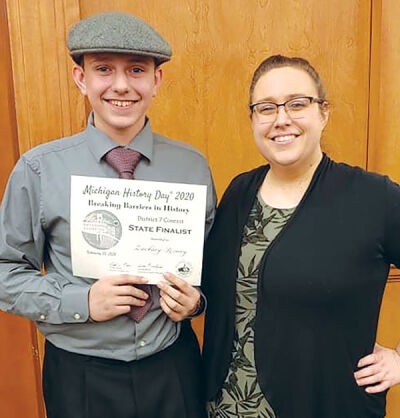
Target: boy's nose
column 120, row 83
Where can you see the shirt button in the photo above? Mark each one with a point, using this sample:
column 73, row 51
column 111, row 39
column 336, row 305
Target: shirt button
column 77, row 316
column 142, row 343
column 42, row 317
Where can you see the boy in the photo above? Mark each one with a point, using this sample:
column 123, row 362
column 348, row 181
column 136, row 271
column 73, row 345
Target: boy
column 114, row 346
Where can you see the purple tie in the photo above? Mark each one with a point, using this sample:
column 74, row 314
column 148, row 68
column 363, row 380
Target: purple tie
column 124, row 162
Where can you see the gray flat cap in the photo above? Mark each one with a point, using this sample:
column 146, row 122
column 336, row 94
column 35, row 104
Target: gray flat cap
column 117, row 32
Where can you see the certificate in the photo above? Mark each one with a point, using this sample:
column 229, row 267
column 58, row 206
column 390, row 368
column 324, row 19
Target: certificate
column 136, row 227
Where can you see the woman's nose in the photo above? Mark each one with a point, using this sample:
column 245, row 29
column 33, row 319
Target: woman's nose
column 282, row 117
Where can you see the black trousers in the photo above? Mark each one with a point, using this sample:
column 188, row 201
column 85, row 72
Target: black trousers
column 165, row 385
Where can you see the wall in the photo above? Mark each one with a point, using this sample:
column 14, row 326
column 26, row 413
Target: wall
column 20, row 395
column 203, row 101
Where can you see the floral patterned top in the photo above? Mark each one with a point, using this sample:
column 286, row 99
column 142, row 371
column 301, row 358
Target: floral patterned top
column 241, row 395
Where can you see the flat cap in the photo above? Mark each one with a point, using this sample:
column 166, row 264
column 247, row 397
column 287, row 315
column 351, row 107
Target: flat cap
column 119, row 33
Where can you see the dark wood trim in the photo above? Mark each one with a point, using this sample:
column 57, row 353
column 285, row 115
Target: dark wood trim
column 394, row 274
column 8, row 121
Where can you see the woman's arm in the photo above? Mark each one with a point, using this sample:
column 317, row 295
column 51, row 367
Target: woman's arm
column 380, row 370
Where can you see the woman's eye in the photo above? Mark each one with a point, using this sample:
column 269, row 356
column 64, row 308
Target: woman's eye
column 266, row 108
column 297, row 105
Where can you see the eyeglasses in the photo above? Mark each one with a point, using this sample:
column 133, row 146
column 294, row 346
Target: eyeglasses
column 296, row 108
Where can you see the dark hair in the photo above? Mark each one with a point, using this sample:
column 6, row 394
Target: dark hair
column 278, row 61
column 79, row 60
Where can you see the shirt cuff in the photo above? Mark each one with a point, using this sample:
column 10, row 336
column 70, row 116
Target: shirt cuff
column 74, row 304
column 201, row 307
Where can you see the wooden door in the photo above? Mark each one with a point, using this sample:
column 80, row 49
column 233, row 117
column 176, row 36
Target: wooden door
column 20, row 395
column 384, row 150
column 217, row 45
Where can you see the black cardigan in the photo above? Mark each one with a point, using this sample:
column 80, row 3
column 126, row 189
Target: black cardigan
column 319, row 291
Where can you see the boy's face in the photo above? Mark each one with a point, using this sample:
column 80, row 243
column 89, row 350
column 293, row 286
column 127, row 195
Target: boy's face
column 119, row 88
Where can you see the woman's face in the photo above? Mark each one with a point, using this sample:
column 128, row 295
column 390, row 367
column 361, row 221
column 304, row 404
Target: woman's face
column 289, row 143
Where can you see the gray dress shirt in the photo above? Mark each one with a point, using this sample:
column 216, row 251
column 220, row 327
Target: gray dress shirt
column 35, row 231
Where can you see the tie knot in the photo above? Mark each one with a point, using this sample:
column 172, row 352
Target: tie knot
column 124, row 161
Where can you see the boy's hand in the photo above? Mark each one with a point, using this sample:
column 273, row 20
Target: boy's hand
column 178, row 299
column 112, row 296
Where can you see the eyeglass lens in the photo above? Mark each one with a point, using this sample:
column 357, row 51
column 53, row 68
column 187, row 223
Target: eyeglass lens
column 295, row 109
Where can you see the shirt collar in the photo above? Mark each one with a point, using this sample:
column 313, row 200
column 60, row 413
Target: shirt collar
column 99, row 143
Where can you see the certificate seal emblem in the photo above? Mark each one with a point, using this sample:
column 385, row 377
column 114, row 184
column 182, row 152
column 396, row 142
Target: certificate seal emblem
column 101, row 229
column 184, row 268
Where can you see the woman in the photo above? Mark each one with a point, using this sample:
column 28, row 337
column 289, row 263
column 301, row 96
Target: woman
column 295, row 268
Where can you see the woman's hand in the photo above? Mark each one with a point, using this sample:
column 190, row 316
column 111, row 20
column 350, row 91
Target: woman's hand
column 380, row 369
column 178, row 299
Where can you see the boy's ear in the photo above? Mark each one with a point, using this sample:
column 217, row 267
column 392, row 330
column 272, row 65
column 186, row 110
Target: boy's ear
column 78, row 74
column 158, row 78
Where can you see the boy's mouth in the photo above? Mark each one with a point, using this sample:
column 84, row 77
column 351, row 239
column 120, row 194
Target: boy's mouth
column 122, row 103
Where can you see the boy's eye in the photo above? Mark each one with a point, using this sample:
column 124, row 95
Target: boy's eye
column 102, row 69
column 137, row 70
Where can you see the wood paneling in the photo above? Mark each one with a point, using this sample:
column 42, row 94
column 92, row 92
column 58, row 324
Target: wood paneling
column 218, row 45
column 20, row 377
column 384, row 149
column 216, row 49
column 8, row 126
column 384, row 144
column 20, row 390
column 48, row 104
